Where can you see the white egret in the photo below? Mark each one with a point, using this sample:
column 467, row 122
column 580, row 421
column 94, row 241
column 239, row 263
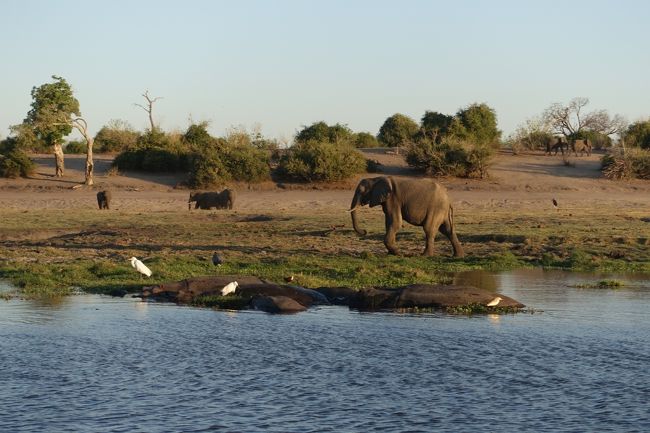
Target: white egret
column 229, row 288
column 494, row 302
column 140, row 267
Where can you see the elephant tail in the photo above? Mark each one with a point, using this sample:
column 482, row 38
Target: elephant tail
column 450, row 214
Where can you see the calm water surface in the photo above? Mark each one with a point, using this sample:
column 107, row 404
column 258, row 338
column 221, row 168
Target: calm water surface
column 91, row 364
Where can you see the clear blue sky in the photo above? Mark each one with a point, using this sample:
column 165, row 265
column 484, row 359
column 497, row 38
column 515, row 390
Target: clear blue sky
column 284, row 64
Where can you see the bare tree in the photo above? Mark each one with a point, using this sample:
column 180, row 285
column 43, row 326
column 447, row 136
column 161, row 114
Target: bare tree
column 149, row 107
column 571, row 119
column 82, row 126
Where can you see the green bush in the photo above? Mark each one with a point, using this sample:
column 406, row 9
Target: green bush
column 14, row 162
column 365, row 140
column 75, row 147
column 629, row 164
column 209, row 161
column 397, row 130
column 321, row 131
column 638, row 134
column 476, row 123
column 317, row 161
column 449, row 157
column 117, row 136
column 207, row 170
column 155, row 151
column 247, row 163
column 239, row 156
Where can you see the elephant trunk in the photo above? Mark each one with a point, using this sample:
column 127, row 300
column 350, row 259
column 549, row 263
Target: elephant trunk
column 353, row 211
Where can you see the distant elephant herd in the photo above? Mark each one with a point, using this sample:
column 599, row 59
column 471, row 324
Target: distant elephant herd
column 203, row 200
column 555, row 144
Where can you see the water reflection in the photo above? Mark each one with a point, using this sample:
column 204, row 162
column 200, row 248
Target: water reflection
column 94, row 363
column 482, row 279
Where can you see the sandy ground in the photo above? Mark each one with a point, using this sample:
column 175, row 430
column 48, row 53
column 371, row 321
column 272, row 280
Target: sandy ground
column 528, row 181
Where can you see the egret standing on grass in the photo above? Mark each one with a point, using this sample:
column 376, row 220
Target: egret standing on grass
column 140, row 267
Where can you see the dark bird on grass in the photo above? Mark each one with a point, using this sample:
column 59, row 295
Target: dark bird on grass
column 289, row 279
column 555, row 203
column 216, row 259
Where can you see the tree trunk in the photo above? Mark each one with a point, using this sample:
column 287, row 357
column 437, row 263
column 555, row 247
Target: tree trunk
column 89, row 161
column 58, row 159
column 80, row 124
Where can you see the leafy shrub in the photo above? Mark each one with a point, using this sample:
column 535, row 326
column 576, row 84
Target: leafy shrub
column 154, row 151
column 638, row 134
column 246, row 163
column 117, row 136
column 317, row 161
column 75, row 147
column 476, row 123
column 14, row 162
column 239, row 156
column 321, row 131
column 397, row 130
column 162, row 160
column 449, row 157
column 629, row 164
column 364, row 140
column 209, row 161
column 207, row 170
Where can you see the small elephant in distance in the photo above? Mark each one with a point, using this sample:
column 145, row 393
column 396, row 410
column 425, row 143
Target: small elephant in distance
column 582, row 146
column 421, row 202
column 104, row 199
column 212, row 200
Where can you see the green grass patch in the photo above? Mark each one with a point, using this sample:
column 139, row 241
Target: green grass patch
column 221, row 302
column 58, row 252
column 480, row 309
column 602, row 284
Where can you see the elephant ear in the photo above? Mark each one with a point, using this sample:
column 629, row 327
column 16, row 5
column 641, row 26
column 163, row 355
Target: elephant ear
column 380, row 192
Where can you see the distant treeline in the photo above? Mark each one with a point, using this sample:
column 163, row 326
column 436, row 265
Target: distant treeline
column 439, row 144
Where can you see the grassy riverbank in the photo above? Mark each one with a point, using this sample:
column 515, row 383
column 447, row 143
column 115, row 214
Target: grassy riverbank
column 47, row 251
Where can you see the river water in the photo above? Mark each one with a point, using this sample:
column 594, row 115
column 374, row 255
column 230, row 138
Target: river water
column 89, row 363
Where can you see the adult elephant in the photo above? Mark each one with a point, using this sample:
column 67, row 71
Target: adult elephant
column 421, row 202
column 208, row 200
column 582, row 146
column 555, row 144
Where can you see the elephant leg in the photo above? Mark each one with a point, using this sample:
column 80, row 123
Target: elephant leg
column 430, row 234
column 393, row 224
column 447, row 229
